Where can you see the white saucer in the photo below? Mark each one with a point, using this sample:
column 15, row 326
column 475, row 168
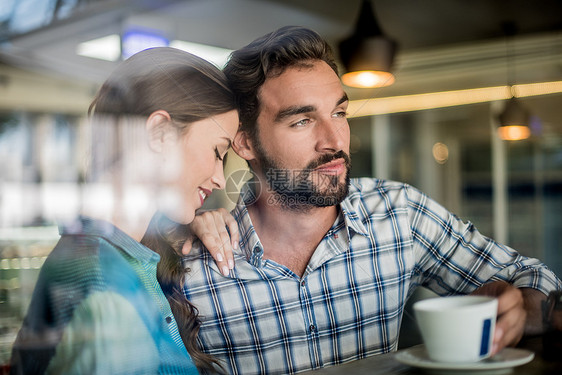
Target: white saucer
column 506, row 359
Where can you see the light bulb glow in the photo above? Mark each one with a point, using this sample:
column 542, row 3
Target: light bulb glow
column 368, row 79
column 514, row 132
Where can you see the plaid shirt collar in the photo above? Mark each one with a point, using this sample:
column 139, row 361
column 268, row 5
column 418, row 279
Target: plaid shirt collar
column 250, row 245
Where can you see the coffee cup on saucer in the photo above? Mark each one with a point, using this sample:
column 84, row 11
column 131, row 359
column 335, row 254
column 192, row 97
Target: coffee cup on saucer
column 457, row 329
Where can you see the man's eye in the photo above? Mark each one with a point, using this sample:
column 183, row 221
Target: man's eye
column 301, row 123
column 341, row 114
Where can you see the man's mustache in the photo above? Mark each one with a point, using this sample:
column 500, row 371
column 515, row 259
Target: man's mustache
column 326, row 158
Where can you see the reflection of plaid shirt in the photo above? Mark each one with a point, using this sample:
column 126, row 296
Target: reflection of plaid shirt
column 390, row 237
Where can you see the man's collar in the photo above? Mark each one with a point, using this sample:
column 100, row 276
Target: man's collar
column 250, row 242
column 352, row 219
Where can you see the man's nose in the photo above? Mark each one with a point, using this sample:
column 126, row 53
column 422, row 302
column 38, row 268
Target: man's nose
column 332, row 135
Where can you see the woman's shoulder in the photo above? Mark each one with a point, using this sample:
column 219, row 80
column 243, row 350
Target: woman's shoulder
column 80, row 264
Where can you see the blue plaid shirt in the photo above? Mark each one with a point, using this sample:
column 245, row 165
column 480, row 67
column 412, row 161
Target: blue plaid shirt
column 388, row 239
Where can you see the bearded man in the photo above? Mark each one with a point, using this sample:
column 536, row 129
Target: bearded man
column 325, row 264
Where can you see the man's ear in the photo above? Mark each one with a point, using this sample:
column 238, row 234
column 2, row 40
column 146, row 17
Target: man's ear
column 243, row 146
column 157, row 125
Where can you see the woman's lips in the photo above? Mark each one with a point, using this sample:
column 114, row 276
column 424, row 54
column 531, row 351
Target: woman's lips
column 203, row 194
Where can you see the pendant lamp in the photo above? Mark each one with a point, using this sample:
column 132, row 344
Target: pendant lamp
column 514, row 119
column 367, row 54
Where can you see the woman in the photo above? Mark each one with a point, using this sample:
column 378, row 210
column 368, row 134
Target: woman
column 161, row 126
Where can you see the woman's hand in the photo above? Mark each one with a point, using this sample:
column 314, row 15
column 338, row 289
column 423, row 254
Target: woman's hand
column 210, row 228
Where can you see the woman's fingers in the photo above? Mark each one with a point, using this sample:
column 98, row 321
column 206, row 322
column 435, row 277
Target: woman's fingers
column 232, row 226
column 211, row 229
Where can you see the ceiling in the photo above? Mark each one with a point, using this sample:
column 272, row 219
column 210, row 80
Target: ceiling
column 443, row 44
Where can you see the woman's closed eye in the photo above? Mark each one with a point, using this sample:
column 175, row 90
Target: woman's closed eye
column 218, row 155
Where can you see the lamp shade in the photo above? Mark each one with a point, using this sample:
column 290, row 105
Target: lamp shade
column 367, row 54
column 514, row 121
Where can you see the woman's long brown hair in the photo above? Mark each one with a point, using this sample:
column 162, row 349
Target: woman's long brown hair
column 166, row 238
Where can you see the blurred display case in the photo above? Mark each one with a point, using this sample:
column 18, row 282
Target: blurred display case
column 22, row 253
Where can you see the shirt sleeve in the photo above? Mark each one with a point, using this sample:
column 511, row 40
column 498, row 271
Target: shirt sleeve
column 105, row 336
column 453, row 257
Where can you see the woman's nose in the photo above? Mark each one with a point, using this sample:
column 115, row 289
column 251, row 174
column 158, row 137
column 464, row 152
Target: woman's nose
column 218, row 178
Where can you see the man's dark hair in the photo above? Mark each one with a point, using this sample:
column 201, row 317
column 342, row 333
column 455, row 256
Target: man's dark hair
column 267, row 57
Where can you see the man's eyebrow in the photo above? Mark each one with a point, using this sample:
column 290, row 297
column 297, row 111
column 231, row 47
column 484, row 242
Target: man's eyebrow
column 294, row 110
column 343, row 99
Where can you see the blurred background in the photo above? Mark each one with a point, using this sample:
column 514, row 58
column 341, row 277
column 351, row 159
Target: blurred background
column 455, row 64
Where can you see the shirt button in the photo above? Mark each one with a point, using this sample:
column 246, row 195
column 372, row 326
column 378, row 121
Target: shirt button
column 168, row 319
column 303, row 283
column 312, row 328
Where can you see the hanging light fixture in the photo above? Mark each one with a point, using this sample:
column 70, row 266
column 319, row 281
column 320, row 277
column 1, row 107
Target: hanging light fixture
column 367, row 54
column 514, row 119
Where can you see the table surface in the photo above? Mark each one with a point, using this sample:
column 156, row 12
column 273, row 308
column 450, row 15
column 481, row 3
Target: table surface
column 387, row 364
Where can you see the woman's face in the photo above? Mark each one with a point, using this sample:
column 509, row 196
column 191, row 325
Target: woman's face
column 193, row 165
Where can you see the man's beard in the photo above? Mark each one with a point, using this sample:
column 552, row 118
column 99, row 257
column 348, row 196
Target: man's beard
column 303, row 189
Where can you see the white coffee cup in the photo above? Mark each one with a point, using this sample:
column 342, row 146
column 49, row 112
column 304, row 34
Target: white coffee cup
column 458, row 328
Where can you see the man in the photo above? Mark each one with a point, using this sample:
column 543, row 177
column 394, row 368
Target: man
column 325, row 264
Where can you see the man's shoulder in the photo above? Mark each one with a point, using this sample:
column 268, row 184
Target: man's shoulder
column 197, row 252
column 371, row 195
column 369, row 186
column 198, row 258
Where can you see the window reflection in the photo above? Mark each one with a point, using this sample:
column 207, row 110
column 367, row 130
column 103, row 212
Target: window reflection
column 21, row 16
